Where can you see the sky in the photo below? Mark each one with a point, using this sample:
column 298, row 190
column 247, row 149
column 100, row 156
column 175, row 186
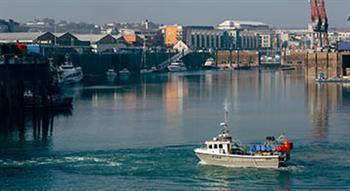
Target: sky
column 276, row 13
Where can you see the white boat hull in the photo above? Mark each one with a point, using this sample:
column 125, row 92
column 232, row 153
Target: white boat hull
column 176, row 68
column 238, row 161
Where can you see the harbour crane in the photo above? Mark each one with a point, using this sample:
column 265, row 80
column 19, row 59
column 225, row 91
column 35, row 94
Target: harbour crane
column 319, row 21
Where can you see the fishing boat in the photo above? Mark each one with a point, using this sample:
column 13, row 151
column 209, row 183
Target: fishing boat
column 177, row 66
column 225, row 151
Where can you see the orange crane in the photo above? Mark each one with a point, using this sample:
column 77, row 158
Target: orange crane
column 319, row 20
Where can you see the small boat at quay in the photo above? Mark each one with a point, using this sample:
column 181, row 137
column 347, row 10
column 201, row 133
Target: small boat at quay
column 225, row 151
column 68, row 73
column 322, row 78
column 177, row 66
column 148, row 70
column 210, row 64
column 124, row 72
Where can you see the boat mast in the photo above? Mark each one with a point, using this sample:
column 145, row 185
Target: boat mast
column 224, row 124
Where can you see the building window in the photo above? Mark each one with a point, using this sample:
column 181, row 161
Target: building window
column 202, row 41
column 197, row 42
column 217, row 42
column 207, row 44
column 192, row 40
column 212, row 42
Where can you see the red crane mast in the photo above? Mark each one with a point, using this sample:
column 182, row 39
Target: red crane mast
column 319, row 20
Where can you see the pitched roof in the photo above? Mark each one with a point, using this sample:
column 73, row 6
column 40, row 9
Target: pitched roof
column 68, row 37
column 108, row 39
column 46, row 37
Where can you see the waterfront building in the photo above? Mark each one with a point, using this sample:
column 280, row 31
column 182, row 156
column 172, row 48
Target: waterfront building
column 342, row 35
column 242, row 25
column 265, row 40
column 111, row 43
column 230, row 59
column 198, row 38
column 46, row 39
column 133, row 40
column 234, row 39
column 248, row 40
column 172, row 34
column 293, row 57
column 151, row 36
column 68, row 39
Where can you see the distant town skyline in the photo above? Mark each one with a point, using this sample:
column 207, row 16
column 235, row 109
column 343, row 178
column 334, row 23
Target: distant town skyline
column 276, row 13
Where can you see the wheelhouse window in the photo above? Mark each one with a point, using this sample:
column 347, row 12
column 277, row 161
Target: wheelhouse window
column 210, row 146
column 215, row 146
column 220, row 146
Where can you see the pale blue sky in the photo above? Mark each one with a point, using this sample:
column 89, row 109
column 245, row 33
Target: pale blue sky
column 279, row 13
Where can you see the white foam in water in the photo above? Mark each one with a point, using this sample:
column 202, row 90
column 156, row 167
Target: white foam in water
column 295, row 168
column 202, row 163
column 115, row 164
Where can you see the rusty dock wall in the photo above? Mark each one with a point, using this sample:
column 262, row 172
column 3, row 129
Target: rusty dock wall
column 328, row 64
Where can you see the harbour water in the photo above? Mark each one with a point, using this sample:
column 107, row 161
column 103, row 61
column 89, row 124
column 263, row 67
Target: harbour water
column 139, row 134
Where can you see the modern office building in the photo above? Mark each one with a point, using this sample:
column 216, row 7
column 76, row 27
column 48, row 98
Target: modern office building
column 202, row 37
column 242, row 25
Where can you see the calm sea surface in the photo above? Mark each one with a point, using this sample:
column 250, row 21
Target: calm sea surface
column 139, row 134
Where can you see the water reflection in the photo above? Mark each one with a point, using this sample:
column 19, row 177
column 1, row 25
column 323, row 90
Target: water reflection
column 322, row 99
column 244, row 178
column 175, row 91
column 31, row 127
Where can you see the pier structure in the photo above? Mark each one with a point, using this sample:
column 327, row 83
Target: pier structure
column 328, row 64
column 231, row 59
column 20, row 74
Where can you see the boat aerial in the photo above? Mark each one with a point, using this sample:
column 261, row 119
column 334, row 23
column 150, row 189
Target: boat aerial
column 225, row 151
column 69, row 73
column 177, row 66
column 210, row 64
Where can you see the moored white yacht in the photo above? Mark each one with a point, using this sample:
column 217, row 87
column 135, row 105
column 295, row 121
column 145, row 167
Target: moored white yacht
column 210, row 64
column 225, row 151
column 69, row 73
column 177, row 66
